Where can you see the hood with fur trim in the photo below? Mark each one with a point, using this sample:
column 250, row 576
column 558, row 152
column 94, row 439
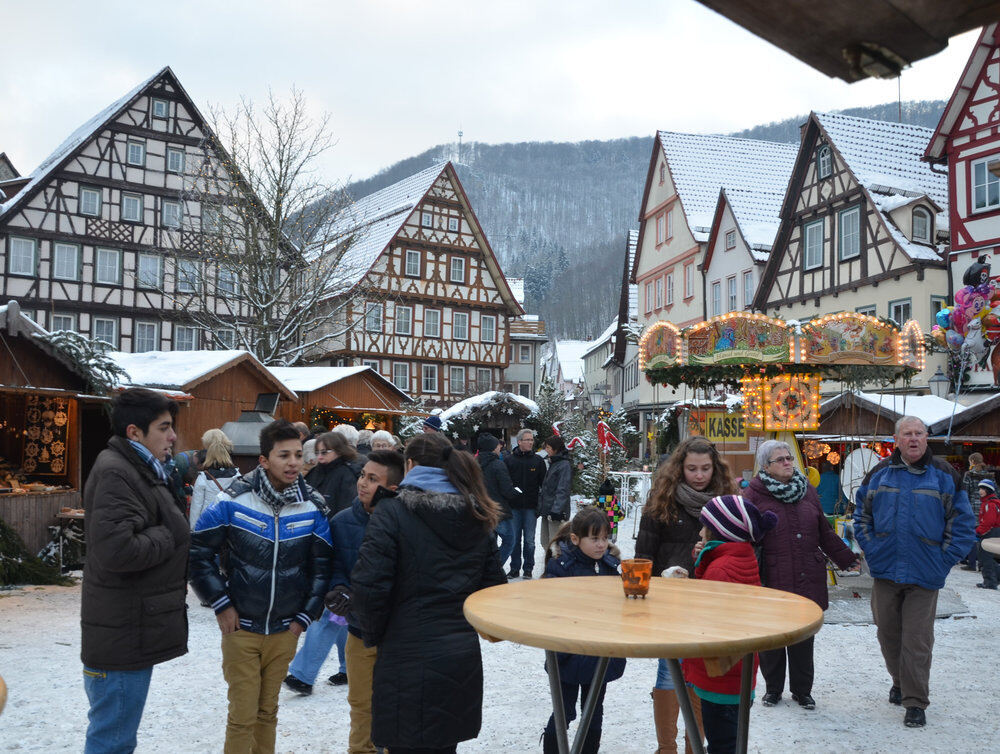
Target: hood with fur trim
column 445, row 514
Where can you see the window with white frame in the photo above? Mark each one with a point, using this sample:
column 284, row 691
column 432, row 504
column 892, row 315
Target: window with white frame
column 185, row 338
column 132, row 208
column 403, row 320
column 427, row 219
column 373, row 317
column 524, row 390
column 175, row 160
column 937, row 304
column 732, row 303
column 487, row 328
column 146, row 337
column 824, row 162
column 226, row 280
column 373, row 363
column 188, row 275
column 454, row 224
column 688, row 280
column 730, row 239
column 869, row 310
column 412, row 263
column 661, row 227
column 21, row 256
column 460, row 326
column 160, row 108
column 748, row 289
column 429, row 383
column 106, row 329
column 210, row 222
column 66, row 261
column 150, row 272
column 813, row 242
column 716, row 298
column 90, row 201
column 849, row 240
column 524, row 353
column 456, row 380
column 484, row 379
column 109, row 267
column 670, row 289
column 658, row 300
column 457, row 271
column 649, row 296
column 921, row 225
column 432, row 323
column 401, row 375
column 63, row 321
column 135, row 153
column 900, row 310
column 226, row 339
column 670, row 224
column 170, row 214
column 985, row 185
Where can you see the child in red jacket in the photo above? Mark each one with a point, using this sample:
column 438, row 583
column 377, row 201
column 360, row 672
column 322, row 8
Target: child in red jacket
column 989, row 528
column 730, row 525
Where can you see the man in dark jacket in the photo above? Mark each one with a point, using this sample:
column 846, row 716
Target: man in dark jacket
column 501, row 489
column 913, row 521
column 527, row 471
column 133, row 613
column 278, row 550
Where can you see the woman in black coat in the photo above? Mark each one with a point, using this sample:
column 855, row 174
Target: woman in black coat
column 335, row 475
column 424, row 552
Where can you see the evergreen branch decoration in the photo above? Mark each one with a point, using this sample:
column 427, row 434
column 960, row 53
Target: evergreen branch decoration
column 854, row 376
column 89, row 357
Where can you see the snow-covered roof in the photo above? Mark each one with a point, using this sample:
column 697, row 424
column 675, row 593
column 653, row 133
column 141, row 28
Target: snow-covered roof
column 930, row 408
column 632, row 243
column 180, row 370
column 569, row 354
column 750, row 170
column 602, row 339
column 758, row 214
column 75, row 139
column 517, row 288
column 307, row 379
column 481, row 400
column 374, row 220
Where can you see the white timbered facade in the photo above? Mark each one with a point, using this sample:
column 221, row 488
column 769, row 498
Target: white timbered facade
column 431, row 312
column 101, row 238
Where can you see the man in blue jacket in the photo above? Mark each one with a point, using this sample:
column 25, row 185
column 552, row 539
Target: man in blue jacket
column 913, row 520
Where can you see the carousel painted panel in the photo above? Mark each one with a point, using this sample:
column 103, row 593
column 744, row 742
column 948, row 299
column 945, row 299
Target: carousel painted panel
column 848, row 338
column 660, row 346
column 738, row 337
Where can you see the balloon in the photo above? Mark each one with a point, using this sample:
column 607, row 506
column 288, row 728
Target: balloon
column 939, row 336
column 955, row 339
column 962, row 294
column 943, row 317
column 812, row 473
column 959, row 321
column 974, row 342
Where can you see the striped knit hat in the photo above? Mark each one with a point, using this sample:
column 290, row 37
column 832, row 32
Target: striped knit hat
column 733, row 519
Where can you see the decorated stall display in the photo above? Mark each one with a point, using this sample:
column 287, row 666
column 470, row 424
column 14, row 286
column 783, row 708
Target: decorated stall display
column 660, row 346
column 848, row 338
column 791, row 402
column 738, row 337
column 607, row 501
column 45, row 436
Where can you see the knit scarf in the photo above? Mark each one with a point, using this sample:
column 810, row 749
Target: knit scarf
column 276, row 500
column 789, row 492
column 690, row 499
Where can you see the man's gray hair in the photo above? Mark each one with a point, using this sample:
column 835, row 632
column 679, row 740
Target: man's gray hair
column 350, row 433
column 765, row 449
column 524, row 432
column 907, row 419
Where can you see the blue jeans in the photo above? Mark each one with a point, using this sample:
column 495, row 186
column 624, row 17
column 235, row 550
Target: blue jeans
column 720, row 721
column 663, row 678
column 117, row 698
column 505, row 530
column 320, row 638
column 524, row 531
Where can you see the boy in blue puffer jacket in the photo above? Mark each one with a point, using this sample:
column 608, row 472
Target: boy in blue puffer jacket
column 581, row 547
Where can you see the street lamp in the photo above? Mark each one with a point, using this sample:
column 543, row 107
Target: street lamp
column 939, row 383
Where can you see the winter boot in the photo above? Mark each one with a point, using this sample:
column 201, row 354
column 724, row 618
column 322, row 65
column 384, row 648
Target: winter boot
column 665, row 709
column 696, row 708
column 593, row 743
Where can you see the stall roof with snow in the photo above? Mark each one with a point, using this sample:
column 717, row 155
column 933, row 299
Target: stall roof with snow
column 350, row 390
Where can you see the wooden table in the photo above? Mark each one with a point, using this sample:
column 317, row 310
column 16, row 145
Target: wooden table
column 678, row 618
column 992, row 545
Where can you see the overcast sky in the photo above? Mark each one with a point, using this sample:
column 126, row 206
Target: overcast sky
column 398, row 76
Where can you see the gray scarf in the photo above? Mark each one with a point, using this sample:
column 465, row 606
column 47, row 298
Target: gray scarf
column 789, row 492
column 276, row 500
column 690, row 499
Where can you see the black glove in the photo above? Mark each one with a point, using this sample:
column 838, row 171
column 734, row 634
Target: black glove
column 559, row 516
column 338, row 600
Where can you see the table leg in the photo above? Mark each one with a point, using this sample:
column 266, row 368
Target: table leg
column 590, row 705
column 558, row 712
column 743, row 726
column 690, row 724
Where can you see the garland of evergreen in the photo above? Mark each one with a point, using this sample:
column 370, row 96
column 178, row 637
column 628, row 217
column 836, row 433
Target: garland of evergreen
column 18, row 566
column 854, row 376
column 89, row 357
column 465, row 424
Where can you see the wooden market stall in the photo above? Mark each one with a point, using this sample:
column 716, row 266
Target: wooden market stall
column 51, row 429
column 215, row 386
column 332, row 395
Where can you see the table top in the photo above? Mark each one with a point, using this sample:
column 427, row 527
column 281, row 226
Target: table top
column 678, row 618
column 992, row 545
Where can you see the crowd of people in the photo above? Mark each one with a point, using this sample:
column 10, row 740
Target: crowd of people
column 374, row 551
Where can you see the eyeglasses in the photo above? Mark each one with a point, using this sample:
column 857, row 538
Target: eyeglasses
column 323, row 452
column 782, row 459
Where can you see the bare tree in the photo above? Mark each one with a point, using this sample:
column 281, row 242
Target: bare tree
column 267, row 259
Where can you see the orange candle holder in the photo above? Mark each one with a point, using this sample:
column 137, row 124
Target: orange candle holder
column 636, row 573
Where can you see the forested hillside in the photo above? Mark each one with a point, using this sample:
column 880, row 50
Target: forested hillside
column 556, row 214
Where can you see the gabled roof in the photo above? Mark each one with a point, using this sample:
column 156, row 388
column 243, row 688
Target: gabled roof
column 371, row 223
column 569, row 356
column 603, row 338
column 964, row 90
column 516, row 286
column 628, row 303
column 5, row 160
column 308, row 379
column 185, row 370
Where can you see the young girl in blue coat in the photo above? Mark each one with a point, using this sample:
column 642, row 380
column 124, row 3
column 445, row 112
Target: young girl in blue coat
column 582, row 547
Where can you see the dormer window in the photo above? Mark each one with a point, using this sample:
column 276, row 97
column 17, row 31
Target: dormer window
column 824, row 162
column 922, row 225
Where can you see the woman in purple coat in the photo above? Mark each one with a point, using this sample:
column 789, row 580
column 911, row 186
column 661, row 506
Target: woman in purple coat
column 794, row 557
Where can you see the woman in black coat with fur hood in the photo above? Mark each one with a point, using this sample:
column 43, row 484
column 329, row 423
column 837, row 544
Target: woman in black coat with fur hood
column 424, row 552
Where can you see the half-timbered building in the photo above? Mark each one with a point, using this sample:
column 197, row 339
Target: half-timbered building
column 864, row 226
column 102, row 238
column 429, row 307
column 527, row 336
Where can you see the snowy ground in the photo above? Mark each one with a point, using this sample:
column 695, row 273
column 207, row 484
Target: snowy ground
column 186, row 710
